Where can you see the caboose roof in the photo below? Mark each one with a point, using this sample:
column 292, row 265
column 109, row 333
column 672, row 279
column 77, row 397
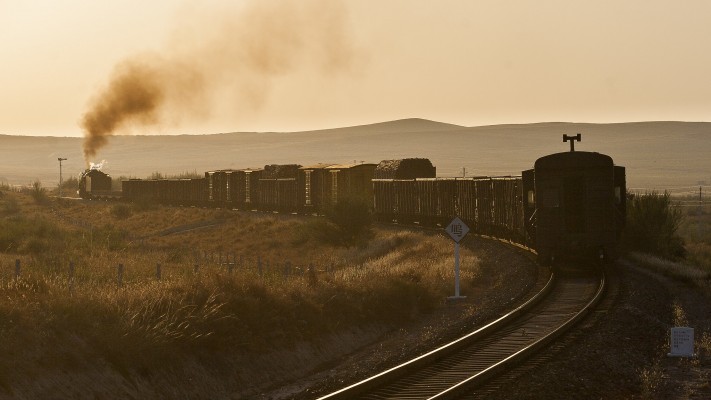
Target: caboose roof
column 574, row 159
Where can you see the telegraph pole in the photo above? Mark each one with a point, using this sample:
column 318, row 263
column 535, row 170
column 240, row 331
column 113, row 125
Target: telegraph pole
column 60, row 159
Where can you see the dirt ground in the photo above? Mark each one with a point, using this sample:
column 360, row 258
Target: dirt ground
column 619, row 352
column 511, row 275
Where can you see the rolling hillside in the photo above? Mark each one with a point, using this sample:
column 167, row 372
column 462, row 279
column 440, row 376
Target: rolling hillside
column 656, row 154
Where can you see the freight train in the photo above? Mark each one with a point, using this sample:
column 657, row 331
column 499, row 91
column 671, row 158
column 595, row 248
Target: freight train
column 568, row 203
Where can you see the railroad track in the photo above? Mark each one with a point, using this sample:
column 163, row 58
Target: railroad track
column 455, row 369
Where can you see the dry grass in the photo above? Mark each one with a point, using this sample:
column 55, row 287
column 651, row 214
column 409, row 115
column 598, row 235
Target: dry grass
column 685, row 271
column 254, row 305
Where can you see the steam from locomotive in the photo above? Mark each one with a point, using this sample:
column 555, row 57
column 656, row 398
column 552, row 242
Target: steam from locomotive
column 233, row 54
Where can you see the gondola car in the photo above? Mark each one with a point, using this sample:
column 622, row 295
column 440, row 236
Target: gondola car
column 575, row 204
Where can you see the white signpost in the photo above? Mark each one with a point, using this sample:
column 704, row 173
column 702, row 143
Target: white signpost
column 682, row 342
column 457, row 229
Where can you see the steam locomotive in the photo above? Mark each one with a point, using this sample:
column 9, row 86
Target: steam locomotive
column 568, row 203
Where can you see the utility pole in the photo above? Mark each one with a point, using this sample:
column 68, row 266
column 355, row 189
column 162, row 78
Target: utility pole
column 60, row 159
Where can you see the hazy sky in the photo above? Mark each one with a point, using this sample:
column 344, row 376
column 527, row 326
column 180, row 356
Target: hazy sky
column 467, row 62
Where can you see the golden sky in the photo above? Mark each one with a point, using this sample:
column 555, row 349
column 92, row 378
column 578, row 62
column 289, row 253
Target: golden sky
column 331, row 64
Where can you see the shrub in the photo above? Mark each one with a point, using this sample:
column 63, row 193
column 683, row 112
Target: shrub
column 121, row 211
column 353, row 219
column 30, row 236
column 38, row 192
column 652, row 225
column 70, row 185
column 10, row 205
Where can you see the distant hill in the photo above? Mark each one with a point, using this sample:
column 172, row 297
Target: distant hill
column 656, row 154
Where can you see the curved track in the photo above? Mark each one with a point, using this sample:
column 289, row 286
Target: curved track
column 459, row 366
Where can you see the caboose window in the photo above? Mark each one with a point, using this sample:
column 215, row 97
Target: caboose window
column 531, row 199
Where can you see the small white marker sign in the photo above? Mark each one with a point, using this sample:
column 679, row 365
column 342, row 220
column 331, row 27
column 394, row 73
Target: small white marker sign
column 457, row 229
column 682, row 342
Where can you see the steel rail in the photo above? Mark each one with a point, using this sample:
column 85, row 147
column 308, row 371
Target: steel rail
column 417, row 363
column 476, row 350
column 478, row 379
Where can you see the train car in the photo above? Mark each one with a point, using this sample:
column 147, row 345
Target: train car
column 396, row 191
column 278, row 189
column 218, row 187
column 577, row 204
column 313, row 190
column 345, row 181
column 243, row 191
column 186, row 192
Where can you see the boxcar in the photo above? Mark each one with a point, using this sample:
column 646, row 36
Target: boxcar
column 349, row 181
column 313, row 190
column 244, row 188
column 218, row 187
column 579, row 204
column 396, row 191
column 277, row 188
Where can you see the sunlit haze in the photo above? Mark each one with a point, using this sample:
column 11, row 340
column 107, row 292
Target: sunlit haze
column 458, row 61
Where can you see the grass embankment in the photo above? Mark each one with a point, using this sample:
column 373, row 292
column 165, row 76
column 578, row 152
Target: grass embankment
column 670, row 236
column 51, row 320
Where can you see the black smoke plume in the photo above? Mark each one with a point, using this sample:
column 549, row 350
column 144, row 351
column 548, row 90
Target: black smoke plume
column 236, row 50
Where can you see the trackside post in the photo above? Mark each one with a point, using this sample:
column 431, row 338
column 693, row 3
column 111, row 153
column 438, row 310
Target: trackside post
column 457, row 229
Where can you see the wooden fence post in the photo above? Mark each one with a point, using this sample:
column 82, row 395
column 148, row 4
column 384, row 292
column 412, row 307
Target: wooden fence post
column 120, row 275
column 313, row 279
column 259, row 265
column 287, row 269
column 17, row 268
column 158, row 271
column 196, row 269
column 71, row 276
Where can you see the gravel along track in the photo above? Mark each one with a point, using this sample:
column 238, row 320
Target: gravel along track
column 620, row 351
column 476, row 358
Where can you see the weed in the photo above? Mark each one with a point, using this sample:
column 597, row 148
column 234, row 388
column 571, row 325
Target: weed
column 39, row 193
column 652, row 225
column 391, row 278
column 10, row 205
column 651, row 380
column 121, row 211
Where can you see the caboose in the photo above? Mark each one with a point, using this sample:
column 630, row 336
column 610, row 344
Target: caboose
column 574, row 204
